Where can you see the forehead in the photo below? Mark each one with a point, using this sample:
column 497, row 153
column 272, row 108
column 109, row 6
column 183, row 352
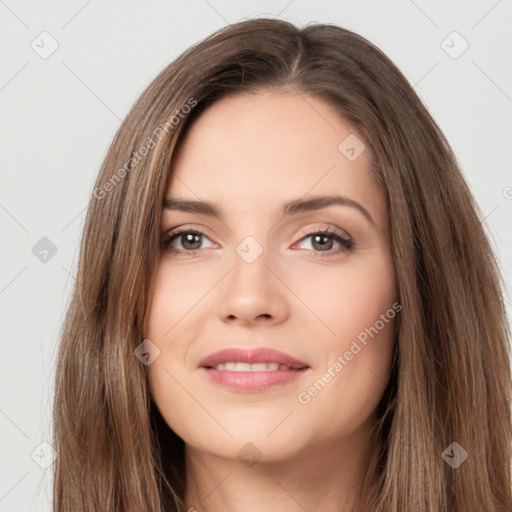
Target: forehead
column 260, row 150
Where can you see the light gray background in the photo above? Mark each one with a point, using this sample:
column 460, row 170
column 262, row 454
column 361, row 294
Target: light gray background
column 59, row 114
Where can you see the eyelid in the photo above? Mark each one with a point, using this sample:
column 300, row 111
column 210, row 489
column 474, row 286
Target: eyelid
column 304, row 232
column 326, row 230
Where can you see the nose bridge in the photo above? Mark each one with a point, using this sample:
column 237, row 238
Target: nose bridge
column 250, row 261
column 251, row 290
column 250, row 236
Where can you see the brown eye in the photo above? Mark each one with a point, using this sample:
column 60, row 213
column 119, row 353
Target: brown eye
column 189, row 239
column 322, row 241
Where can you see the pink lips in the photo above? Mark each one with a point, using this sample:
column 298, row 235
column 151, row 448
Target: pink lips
column 253, row 380
column 256, row 355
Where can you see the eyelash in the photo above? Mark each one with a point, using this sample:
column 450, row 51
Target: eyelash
column 346, row 241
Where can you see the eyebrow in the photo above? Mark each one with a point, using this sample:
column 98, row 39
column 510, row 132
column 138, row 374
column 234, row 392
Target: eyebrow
column 292, row 207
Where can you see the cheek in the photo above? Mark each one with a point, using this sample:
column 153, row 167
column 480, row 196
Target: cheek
column 347, row 389
column 358, row 311
column 346, row 302
column 178, row 297
column 164, row 329
column 175, row 294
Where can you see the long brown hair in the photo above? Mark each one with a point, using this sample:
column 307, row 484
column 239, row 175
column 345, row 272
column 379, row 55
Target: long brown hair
column 451, row 379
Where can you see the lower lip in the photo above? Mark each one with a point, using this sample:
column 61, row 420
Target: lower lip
column 253, row 381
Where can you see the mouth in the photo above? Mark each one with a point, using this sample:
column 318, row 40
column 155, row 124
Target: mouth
column 235, row 366
column 252, row 369
column 255, row 359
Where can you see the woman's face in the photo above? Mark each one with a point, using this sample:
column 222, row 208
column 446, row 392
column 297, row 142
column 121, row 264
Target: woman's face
column 259, row 277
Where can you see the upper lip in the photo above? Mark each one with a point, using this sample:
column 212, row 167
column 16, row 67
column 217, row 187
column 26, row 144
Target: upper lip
column 252, row 355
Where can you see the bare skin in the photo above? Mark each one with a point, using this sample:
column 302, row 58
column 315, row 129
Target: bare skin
column 294, row 446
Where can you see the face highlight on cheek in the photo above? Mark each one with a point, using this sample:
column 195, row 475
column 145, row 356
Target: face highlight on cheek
column 263, row 338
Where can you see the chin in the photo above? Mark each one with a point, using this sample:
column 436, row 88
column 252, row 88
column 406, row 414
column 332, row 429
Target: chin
column 261, row 436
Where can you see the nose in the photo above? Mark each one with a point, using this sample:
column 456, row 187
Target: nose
column 252, row 292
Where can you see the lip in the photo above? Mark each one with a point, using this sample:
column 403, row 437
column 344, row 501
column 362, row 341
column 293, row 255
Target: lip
column 254, row 355
column 252, row 380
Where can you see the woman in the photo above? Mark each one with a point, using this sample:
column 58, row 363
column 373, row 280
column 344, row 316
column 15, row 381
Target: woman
column 334, row 338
